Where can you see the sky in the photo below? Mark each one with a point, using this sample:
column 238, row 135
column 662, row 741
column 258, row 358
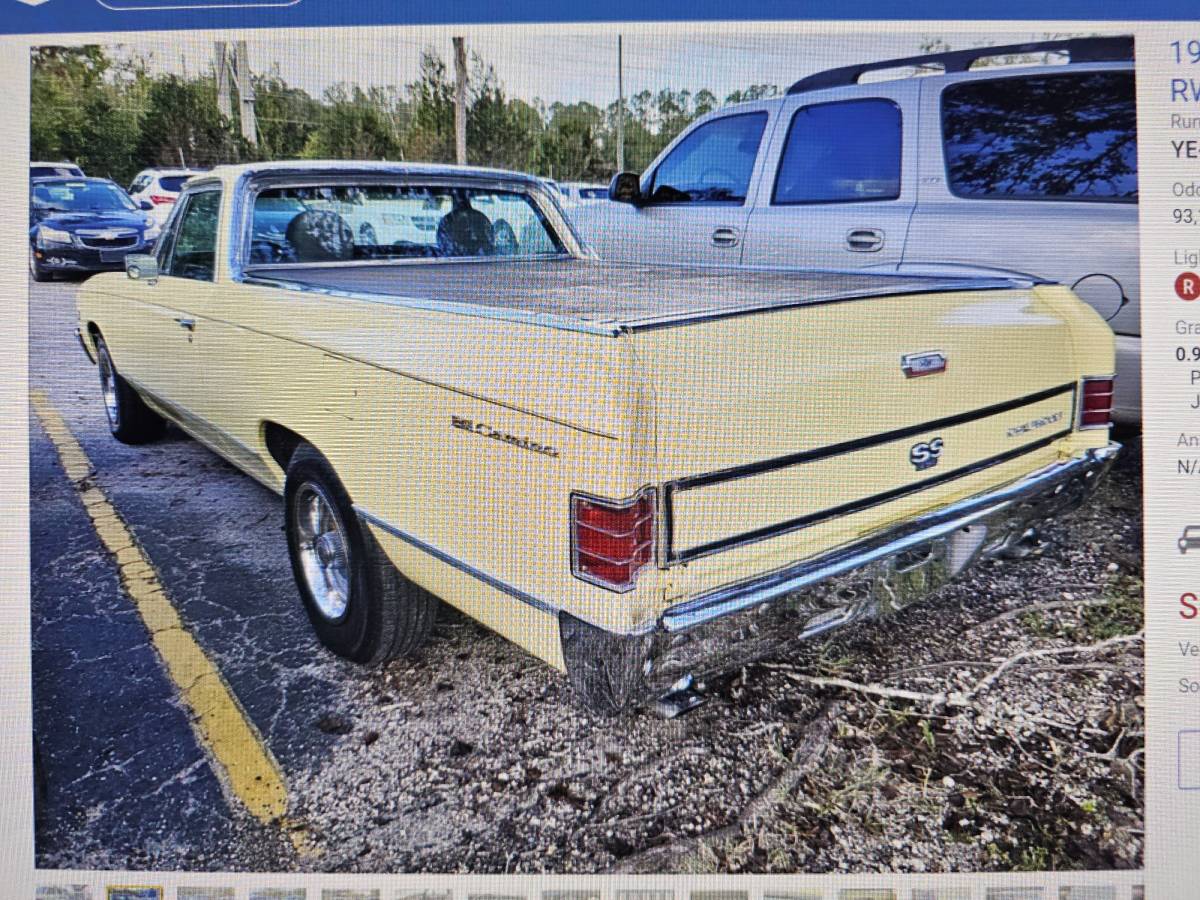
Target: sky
column 569, row 64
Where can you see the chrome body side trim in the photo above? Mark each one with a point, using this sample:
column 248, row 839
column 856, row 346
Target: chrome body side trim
column 491, row 581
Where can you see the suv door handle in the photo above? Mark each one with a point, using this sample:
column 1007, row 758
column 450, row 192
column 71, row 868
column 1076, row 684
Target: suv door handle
column 864, row 240
column 725, row 237
column 189, row 324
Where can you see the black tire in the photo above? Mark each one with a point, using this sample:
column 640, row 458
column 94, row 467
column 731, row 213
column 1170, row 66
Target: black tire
column 130, row 420
column 385, row 616
column 36, row 271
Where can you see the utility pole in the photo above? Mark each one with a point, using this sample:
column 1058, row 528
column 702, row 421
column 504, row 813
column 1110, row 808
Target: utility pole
column 620, row 107
column 460, row 102
column 221, row 65
column 232, row 64
column 246, row 94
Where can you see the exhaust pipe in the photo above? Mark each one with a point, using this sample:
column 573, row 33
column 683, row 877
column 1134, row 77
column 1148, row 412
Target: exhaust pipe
column 1020, row 545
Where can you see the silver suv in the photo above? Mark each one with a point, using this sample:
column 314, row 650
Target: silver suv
column 1030, row 168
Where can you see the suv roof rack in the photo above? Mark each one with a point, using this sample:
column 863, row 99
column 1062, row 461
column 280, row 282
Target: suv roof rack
column 1080, row 50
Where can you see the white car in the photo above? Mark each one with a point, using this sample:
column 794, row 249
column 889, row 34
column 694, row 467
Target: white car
column 582, row 191
column 38, row 169
column 161, row 187
column 1030, row 168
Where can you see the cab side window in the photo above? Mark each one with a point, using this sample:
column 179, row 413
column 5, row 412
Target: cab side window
column 191, row 249
column 843, row 152
column 713, row 164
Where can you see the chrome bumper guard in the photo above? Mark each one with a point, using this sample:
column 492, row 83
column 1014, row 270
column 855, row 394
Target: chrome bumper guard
column 887, row 571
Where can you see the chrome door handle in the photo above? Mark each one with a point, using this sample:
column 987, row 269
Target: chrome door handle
column 189, row 324
column 864, row 240
column 725, row 237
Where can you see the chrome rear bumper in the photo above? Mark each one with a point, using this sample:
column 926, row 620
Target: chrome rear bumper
column 750, row 619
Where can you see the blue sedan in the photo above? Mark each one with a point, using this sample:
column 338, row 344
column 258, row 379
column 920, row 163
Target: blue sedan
column 84, row 225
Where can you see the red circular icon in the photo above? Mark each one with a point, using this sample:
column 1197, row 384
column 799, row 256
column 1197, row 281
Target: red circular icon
column 1187, row 286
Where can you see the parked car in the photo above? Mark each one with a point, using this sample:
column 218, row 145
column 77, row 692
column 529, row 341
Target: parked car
column 1032, row 168
column 617, row 467
column 52, row 169
column 582, row 192
column 83, row 225
column 377, row 217
column 160, row 187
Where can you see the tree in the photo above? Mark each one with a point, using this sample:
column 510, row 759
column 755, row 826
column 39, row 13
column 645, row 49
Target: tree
column 79, row 111
column 573, row 146
column 287, row 117
column 352, row 126
column 430, row 135
column 183, row 125
column 500, row 132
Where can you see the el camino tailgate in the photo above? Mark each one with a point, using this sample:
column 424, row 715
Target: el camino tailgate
column 784, row 432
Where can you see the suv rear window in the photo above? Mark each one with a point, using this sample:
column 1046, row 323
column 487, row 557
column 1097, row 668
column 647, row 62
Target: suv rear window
column 173, row 183
column 1055, row 137
column 841, row 153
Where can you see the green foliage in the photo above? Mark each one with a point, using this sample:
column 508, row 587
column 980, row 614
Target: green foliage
column 431, row 135
column 182, row 125
column 114, row 118
column 287, row 117
column 76, row 96
column 353, row 125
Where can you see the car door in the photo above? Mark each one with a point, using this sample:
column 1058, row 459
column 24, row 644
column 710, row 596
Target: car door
column 838, row 190
column 186, row 273
column 698, row 198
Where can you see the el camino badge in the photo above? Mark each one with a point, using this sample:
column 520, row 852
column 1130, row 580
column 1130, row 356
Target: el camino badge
column 502, row 436
column 929, row 362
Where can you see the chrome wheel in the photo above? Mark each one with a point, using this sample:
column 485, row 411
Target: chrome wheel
column 108, row 389
column 324, row 550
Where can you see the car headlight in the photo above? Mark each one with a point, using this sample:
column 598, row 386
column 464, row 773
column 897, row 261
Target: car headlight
column 152, row 232
column 53, row 236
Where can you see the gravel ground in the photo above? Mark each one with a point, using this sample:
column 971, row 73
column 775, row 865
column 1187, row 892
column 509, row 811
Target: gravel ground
column 472, row 758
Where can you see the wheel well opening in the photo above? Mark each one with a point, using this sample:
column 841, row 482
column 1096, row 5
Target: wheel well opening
column 281, row 443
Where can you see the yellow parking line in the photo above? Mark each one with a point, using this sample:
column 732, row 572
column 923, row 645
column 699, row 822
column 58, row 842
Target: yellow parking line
column 235, row 746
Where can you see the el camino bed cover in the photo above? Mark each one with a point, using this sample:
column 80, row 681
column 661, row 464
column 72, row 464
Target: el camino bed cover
column 606, row 296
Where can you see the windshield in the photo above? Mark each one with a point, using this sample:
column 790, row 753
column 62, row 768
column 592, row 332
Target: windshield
column 341, row 223
column 80, row 196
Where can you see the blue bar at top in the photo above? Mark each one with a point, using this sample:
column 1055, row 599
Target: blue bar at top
column 67, row 16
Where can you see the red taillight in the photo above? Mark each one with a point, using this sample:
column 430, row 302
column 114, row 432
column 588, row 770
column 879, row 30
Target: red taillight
column 611, row 540
column 159, row 199
column 1095, row 408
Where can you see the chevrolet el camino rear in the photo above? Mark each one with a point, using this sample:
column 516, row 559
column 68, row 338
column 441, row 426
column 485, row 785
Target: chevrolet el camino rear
column 641, row 475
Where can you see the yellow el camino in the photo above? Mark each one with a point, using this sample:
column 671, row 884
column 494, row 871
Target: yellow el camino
column 641, row 475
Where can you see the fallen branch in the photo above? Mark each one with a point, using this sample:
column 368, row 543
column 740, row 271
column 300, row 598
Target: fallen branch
column 808, row 755
column 997, row 673
column 1040, row 607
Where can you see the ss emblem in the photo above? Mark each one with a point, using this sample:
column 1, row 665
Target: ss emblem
column 926, row 454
